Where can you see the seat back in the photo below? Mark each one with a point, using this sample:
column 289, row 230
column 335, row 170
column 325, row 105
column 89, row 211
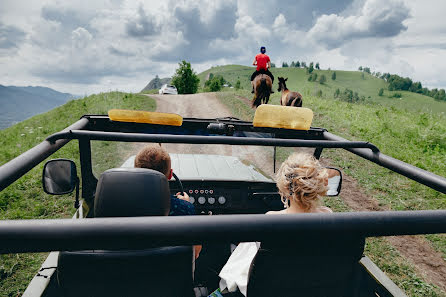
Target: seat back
column 307, row 267
column 159, row 271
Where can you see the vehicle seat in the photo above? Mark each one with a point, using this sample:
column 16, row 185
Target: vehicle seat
column 159, row 271
column 307, row 267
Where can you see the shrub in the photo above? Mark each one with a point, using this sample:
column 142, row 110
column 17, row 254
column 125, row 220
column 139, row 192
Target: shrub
column 381, row 92
column 215, row 84
column 337, row 93
column 333, row 76
column 322, row 79
column 237, row 85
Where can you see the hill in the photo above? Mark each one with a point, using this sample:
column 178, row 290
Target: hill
column 156, row 83
column 25, row 199
column 19, row 103
column 367, row 86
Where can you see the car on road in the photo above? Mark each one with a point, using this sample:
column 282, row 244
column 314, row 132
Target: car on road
column 121, row 243
column 168, row 89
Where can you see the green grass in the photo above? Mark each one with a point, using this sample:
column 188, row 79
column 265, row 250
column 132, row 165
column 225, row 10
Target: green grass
column 414, row 134
column 367, row 87
column 25, row 198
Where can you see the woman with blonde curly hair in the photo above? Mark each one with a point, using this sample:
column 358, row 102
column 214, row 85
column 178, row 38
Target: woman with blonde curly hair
column 301, row 181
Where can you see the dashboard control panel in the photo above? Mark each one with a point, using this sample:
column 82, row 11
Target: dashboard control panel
column 221, row 197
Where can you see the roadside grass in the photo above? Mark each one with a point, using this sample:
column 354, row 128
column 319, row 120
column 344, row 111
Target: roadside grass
column 388, row 259
column 153, row 91
column 413, row 137
column 25, row 198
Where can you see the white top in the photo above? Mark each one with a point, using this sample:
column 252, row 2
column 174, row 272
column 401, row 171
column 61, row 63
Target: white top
column 234, row 274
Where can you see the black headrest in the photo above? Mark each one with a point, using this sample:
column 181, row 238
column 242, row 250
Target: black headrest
column 132, row 192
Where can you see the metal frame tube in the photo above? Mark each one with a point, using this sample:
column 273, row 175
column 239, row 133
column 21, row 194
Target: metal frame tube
column 167, row 138
column 142, row 232
column 424, row 177
column 17, row 167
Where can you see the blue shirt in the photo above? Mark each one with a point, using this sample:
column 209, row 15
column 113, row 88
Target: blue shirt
column 179, row 207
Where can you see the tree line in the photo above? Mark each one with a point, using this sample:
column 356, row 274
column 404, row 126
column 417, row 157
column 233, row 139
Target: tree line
column 299, row 64
column 399, row 83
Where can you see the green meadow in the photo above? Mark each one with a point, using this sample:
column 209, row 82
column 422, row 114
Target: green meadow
column 368, row 86
column 25, row 198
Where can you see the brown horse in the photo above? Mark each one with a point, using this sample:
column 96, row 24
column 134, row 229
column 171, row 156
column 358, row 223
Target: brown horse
column 288, row 98
column 262, row 89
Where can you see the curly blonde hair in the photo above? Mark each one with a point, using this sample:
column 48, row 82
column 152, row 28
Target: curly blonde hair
column 302, row 179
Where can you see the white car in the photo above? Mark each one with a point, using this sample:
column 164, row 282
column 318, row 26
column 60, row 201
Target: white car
column 168, row 89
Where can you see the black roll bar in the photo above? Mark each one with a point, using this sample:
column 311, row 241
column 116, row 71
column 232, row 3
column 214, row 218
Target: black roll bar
column 168, row 138
column 139, row 232
column 424, row 177
column 16, row 168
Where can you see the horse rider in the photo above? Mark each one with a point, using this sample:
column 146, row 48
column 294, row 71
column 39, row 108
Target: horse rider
column 262, row 62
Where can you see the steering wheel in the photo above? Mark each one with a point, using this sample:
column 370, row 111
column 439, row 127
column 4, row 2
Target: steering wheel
column 178, row 182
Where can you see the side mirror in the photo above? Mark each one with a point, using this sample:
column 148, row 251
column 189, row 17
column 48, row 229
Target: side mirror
column 59, row 177
column 334, row 181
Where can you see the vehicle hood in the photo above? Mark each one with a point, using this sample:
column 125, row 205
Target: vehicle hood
column 210, row 167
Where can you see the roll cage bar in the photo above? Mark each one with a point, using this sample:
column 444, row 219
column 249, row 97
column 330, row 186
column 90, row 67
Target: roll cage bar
column 45, row 235
column 144, row 232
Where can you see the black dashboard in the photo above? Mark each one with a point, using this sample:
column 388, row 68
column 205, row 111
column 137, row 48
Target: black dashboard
column 230, row 197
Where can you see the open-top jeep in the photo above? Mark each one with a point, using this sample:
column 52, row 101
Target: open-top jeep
column 121, row 243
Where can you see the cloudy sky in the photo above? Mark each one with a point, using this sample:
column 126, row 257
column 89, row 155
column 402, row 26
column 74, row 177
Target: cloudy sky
column 89, row 46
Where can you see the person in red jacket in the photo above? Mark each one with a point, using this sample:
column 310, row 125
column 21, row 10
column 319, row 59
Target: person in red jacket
column 263, row 62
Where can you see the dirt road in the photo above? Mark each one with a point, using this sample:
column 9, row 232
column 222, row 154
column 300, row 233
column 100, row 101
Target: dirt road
column 206, row 105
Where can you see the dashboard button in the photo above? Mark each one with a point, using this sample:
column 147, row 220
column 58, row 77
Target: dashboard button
column 192, row 199
column 221, row 200
column 201, row 200
column 211, row 200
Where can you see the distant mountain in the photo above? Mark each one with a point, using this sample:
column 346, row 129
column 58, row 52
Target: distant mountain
column 20, row 103
column 156, row 83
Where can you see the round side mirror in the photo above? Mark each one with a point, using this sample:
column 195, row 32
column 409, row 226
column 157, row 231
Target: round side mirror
column 59, row 177
column 334, row 181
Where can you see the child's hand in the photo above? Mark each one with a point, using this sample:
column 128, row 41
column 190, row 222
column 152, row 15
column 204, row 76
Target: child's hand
column 184, row 197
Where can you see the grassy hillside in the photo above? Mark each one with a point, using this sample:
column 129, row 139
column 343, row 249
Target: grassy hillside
column 414, row 133
column 25, row 198
column 368, row 86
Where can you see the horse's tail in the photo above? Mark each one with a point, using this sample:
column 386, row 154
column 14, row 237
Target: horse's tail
column 259, row 94
column 256, row 101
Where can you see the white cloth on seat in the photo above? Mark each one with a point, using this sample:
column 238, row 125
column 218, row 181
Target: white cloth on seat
column 234, row 274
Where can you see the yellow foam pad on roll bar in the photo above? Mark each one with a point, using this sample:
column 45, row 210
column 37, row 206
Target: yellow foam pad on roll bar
column 286, row 117
column 148, row 117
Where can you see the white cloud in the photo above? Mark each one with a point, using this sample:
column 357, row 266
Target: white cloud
column 378, row 18
column 80, row 38
column 98, row 45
